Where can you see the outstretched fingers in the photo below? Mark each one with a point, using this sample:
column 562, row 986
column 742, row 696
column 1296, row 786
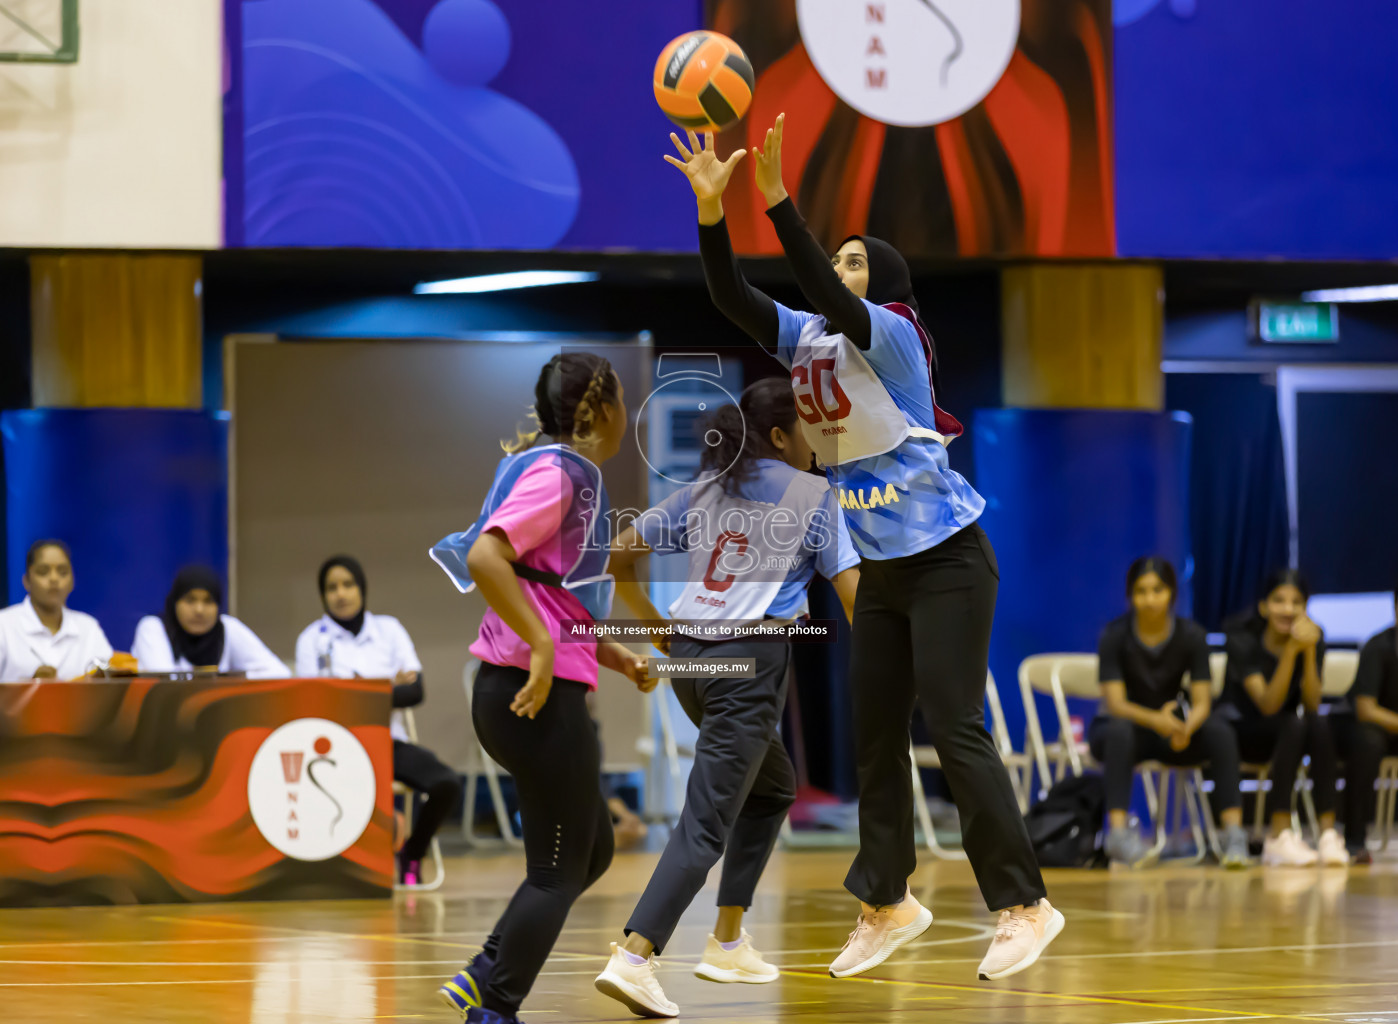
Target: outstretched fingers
column 680, row 145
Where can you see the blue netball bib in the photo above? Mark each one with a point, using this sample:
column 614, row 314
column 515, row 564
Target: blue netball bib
column 587, row 579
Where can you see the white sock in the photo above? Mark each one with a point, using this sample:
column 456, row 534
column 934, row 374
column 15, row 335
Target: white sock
column 633, row 959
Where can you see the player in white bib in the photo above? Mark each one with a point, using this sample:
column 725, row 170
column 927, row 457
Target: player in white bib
column 864, row 373
column 756, row 526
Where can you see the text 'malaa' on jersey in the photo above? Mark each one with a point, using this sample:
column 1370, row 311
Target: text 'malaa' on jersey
column 898, row 492
column 750, row 556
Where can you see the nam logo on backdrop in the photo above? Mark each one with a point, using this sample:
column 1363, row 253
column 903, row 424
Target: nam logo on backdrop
column 311, row 789
column 910, row 62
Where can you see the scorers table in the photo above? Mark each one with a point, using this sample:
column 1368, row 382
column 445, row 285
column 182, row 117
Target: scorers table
column 189, row 790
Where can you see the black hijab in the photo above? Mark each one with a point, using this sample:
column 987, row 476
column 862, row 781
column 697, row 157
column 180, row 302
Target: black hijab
column 352, row 566
column 207, row 648
column 890, row 280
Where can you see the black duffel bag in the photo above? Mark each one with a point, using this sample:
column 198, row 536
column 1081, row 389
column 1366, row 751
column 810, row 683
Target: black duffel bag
column 1064, row 826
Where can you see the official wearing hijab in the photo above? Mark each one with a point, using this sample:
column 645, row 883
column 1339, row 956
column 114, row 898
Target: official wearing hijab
column 350, row 641
column 355, row 623
column 192, row 633
column 200, row 649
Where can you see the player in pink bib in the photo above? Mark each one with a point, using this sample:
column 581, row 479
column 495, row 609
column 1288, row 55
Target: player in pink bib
column 538, row 553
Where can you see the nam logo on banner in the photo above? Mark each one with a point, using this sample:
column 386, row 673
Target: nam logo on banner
column 311, row 789
column 910, row 62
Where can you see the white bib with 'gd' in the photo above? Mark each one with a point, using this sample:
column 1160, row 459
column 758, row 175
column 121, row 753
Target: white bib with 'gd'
column 846, row 412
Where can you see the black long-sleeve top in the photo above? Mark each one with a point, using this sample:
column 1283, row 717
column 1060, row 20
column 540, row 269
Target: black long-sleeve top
column 753, row 310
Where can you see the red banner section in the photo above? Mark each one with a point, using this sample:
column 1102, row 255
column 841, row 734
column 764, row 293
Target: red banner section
column 947, row 128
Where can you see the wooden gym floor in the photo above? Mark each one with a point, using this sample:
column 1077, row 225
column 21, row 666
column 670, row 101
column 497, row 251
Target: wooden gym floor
column 1173, row 945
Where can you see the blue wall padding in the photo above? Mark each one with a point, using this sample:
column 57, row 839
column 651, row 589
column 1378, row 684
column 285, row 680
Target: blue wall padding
column 135, row 493
column 1072, row 498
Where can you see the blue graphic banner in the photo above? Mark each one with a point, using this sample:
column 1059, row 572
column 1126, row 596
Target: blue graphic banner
column 451, row 124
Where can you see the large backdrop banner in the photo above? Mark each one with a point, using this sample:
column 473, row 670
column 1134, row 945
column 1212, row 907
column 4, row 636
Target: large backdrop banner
column 960, row 127
column 952, row 128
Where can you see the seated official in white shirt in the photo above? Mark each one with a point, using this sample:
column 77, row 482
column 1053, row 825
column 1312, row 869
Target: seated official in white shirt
column 192, row 634
column 349, row 641
column 41, row 637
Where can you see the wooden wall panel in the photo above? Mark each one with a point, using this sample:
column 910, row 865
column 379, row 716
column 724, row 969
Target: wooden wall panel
column 121, row 330
column 1082, row 336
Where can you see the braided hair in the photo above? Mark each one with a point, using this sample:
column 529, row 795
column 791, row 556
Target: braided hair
column 571, row 389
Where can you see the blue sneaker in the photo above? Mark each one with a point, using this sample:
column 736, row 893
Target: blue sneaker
column 480, row 1015
column 463, row 992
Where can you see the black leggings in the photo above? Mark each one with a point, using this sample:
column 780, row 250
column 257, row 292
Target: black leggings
column 922, row 632
column 740, row 788
column 1364, row 746
column 1283, row 739
column 556, row 763
column 1121, row 744
column 418, row 769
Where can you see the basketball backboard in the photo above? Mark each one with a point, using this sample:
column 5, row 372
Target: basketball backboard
column 39, row 31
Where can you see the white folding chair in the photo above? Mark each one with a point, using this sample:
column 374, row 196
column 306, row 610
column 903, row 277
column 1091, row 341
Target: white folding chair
column 1388, row 796
column 492, row 773
column 1072, row 675
column 657, row 710
column 1035, row 676
column 1020, row 765
column 435, row 848
column 1015, row 763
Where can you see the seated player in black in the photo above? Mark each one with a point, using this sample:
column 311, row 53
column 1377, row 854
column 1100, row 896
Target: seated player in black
column 1148, row 714
column 1272, row 699
column 1370, row 735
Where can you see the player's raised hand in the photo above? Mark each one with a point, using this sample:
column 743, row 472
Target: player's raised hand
column 708, row 175
column 767, row 164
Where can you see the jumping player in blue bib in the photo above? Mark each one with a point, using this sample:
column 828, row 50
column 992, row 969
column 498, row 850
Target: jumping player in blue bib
column 864, row 373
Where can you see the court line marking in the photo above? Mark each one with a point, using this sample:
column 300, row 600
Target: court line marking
column 298, row 961
column 1135, row 954
column 1187, row 1020
column 1068, row 996
column 681, row 963
column 203, row 981
column 1249, row 988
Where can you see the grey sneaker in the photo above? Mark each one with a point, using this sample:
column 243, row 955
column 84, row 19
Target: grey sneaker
column 1125, row 846
column 1236, row 855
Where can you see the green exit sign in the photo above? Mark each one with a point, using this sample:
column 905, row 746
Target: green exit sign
column 1297, row 323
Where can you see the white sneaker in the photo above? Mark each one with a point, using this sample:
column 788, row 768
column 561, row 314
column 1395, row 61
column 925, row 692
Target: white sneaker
column 1020, row 937
column 742, row 964
column 875, row 937
column 1331, row 848
column 1288, row 850
column 635, row 986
